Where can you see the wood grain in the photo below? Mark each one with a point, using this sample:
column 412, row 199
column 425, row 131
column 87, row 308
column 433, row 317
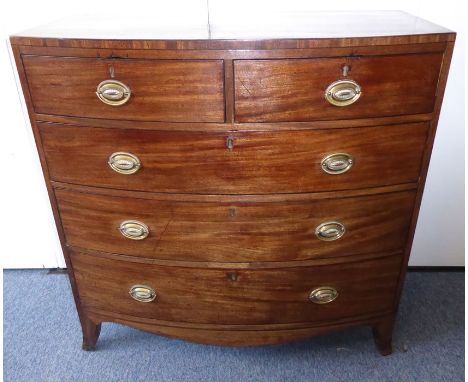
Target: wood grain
column 293, row 90
column 232, row 54
column 236, row 232
column 425, row 163
column 255, row 297
column 100, row 315
column 196, row 162
column 89, row 328
column 233, row 265
column 230, row 127
column 256, row 335
column 391, row 128
column 162, row 90
column 299, row 43
column 232, row 198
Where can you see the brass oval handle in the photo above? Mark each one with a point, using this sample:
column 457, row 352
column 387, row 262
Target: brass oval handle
column 323, row 295
column 343, row 92
column 337, row 163
column 142, row 293
column 113, row 92
column 134, row 229
column 330, row 231
column 124, row 163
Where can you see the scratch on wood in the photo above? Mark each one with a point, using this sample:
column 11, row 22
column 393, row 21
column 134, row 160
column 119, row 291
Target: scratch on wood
column 158, row 240
column 245, row 87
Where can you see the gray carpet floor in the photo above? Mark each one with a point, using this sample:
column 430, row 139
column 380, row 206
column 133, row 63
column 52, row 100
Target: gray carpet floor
column 42, row 342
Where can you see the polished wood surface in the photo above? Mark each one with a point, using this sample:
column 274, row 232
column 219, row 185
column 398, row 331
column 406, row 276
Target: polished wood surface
column 255, row 335
column 90, row 330
column 270, row 296
column 267, row 44
column 232, row 229
column 174, row 90
column 293, row 90
column 233, row 198
column 325, row 48
column 382, row 332
column 200, row 31
column 260, row 162
column 444, row 73
column 238, row 231
column 234, row 126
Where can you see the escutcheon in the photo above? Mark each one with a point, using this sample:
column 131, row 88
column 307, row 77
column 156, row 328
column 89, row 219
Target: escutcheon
column 343, row 92
column 323, row 295
column 330, row 231
column 124, row 163
column 142, row 293
column 134, row 229
column 337, row 163
column 113, row 92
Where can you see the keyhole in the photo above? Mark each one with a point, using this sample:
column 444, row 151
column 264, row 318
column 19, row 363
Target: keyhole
column 111, row 71
column 230, row 143
column 346, row 70
column 232, row 212
column 232, row 276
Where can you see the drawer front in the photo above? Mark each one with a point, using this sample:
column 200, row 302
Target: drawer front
column 294, row 90
column 160, row 90
column 238, row 162
column 236, row 231
column 243, row 296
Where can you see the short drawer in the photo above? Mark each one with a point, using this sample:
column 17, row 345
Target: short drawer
column 236, row 231
column 236, row 296
column 237, row 162
column 157, row 90
column 294, row 90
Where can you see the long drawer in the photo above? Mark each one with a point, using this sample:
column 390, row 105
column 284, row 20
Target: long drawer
column 237, row 231
column 236, row 296
column 295, row 90
column 237, row 162
column 146, row 90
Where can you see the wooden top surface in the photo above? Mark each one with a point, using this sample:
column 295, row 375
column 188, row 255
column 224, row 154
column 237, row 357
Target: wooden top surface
column 247, row 30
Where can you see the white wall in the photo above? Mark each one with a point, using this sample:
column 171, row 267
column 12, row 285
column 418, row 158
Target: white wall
column 28, row 237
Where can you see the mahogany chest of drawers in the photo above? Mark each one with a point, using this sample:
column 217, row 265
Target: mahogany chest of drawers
column 238, row 191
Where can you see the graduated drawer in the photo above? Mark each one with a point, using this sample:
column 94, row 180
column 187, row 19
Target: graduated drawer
column 236, row 231
column 159, row 90
column 237, row 162
column 236, row 296
column 294, row 90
